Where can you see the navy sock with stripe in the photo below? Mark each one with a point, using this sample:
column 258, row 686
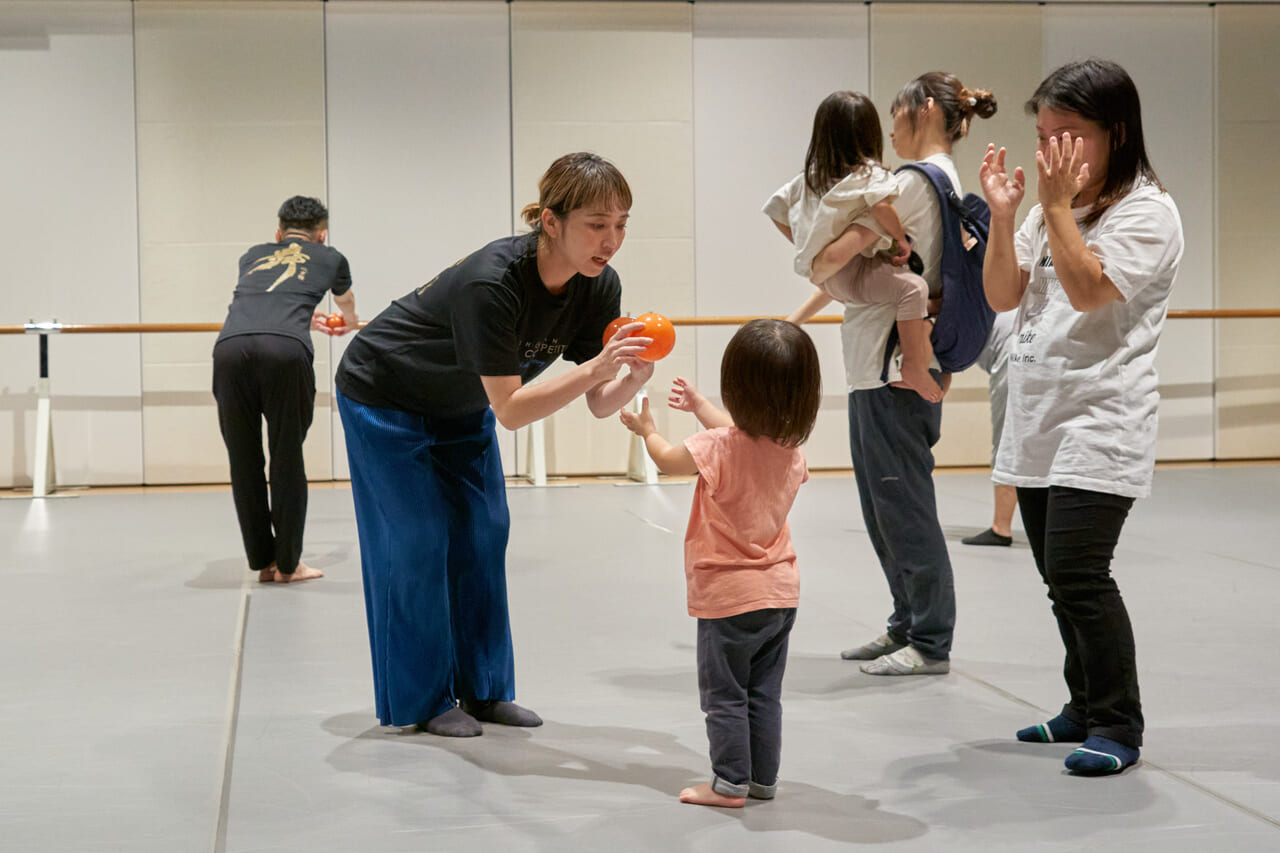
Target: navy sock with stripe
column 1057, row 730
column 1099, row 756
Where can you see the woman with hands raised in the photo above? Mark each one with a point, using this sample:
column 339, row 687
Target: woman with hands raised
column 1089, row 271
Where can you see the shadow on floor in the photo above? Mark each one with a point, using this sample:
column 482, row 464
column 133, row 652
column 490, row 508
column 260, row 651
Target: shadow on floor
column 611, row 756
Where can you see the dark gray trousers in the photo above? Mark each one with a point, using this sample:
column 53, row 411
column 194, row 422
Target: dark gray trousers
column 892, row 432
column 741, row 660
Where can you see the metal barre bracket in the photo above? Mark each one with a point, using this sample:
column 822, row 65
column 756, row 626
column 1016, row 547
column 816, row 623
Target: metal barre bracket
column 31, row 327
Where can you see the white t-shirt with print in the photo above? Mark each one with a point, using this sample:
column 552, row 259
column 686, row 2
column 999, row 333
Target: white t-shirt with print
column 865, row 329
column 1083, row 388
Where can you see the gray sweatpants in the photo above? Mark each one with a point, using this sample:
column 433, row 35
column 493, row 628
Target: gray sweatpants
column 892, row 432
column 741, row 660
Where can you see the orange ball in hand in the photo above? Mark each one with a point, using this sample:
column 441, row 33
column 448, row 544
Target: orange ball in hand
column 612, row 329
column 334, row 321
column 656, row 326
column 663, row 333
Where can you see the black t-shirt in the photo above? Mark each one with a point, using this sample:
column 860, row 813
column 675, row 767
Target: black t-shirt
column 280, row 286
column 487, row 315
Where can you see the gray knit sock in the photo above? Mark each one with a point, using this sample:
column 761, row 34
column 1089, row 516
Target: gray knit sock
column 454, row 722
column 501, row 712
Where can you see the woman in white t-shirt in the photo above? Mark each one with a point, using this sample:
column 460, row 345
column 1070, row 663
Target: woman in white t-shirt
column 892, row 430
column 1090, row 272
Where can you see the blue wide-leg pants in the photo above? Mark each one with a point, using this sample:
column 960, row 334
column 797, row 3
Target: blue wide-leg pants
column 431, row 509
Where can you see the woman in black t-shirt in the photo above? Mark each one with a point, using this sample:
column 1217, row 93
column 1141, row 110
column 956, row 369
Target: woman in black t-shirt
column 419, row 391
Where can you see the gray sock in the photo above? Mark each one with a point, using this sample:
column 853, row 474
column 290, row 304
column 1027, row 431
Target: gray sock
column 503, row 713
column 452, row 723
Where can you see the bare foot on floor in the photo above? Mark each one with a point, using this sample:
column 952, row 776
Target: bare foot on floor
column 267, row 575
column 703, row 795
column 302, row 573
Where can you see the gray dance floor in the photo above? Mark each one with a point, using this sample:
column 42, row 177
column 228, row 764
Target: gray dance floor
column 156, row 699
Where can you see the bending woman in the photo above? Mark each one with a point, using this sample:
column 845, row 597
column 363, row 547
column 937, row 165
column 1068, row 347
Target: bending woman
column 419, row 391
column 1090, row 272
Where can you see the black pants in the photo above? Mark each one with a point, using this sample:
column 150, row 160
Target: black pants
column 1073, row 536
column 892, row 432
column 741, row 660
column 256, row 377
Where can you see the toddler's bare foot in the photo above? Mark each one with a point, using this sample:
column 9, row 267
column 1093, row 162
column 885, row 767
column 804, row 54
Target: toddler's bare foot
column 703, row 795
column 920, row 380
column 267, row 575
column 302, row 573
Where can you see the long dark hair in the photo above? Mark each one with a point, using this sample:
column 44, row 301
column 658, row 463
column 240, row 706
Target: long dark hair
column 959, row 104
column 846, row 137
column 1102, row 92
column 771, row 382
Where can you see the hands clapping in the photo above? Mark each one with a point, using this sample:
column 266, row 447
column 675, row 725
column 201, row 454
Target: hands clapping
column 1061, row 173
column 1061, row 170
column 1003, row 192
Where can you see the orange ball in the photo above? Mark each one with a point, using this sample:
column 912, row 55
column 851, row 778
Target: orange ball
column 663, row 333
column 612, row 329
column 334, row 321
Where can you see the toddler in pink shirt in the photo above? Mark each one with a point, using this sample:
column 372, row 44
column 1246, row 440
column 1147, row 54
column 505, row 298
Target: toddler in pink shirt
column 740, row 566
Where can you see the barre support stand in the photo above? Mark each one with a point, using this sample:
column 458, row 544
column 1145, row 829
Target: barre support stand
column 42, row 480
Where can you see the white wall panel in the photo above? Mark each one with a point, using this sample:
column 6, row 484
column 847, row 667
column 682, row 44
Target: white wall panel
column 1170, row 58
column 613, row 78
column 419, row 147
column 1248, row 123
column 759, row 73
column 68, row 231
column 230, row 123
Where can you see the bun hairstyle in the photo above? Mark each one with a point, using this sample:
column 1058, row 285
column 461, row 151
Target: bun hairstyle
column 575, row 181
column 958, row 103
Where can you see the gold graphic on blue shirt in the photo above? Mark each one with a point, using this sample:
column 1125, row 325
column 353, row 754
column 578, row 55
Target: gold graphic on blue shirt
column 289, row 258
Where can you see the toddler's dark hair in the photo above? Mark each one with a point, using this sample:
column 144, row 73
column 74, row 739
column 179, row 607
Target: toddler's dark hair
column 846, row 138
column 771, row 382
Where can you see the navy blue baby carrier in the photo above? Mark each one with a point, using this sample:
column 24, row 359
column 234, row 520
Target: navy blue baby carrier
column 964, row 321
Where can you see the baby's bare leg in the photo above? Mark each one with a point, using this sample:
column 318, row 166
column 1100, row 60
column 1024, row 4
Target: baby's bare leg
column 884, row 283
column 917, row 353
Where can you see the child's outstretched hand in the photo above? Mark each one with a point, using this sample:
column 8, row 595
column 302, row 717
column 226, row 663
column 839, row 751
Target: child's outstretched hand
column 641, row 423
column 685, row 396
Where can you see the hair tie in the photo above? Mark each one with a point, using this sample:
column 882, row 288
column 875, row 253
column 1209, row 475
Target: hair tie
column 973, row 102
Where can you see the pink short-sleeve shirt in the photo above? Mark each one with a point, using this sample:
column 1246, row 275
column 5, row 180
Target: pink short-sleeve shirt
column 738, row 551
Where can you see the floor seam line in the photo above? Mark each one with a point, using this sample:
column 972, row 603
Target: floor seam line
column 233, row 714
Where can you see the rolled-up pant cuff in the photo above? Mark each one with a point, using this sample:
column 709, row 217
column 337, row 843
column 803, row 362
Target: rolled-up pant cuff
column 728, row 789
column 761, row 792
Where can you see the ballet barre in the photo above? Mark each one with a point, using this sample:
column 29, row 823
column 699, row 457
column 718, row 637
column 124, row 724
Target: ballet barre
column 639, row 466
